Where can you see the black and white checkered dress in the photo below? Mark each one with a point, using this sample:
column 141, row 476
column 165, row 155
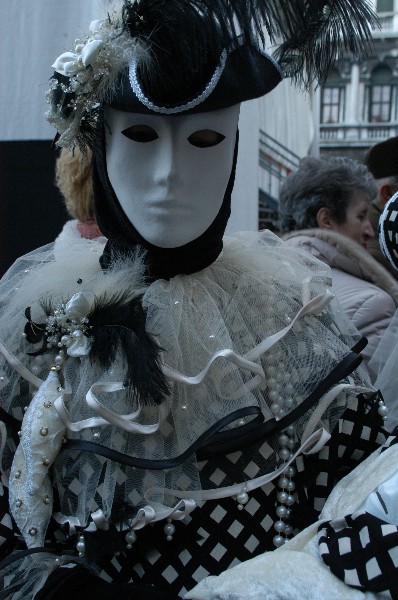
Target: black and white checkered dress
column 219, row 535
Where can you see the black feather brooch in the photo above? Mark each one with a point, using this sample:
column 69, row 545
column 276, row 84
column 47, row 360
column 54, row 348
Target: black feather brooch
column 103, row 329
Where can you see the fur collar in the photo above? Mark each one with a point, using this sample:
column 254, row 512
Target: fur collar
column 340, row 252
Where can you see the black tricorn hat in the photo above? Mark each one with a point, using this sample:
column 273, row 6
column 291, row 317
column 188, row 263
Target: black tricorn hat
column 245, row 73
column 180, row 56
column 382, row 159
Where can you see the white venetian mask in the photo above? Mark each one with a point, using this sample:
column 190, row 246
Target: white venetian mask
column 170, row 173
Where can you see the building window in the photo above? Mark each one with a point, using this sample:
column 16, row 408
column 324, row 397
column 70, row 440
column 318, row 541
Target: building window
column 380, row 104
column 332, row 104
column 332, row 100
column 380, row 95
column 383, row 6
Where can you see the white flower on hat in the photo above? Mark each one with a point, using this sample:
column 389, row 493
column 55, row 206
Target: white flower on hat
column 70, row 63
column 67, row 64
column 91, row 67
column 90, row 52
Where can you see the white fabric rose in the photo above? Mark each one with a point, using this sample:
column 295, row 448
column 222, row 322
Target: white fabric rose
column 70, row 63
column 90, row 52
column 67, row 64
column 78, row 306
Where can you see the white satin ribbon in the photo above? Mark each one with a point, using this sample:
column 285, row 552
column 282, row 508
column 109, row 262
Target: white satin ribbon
column 306, row 288
column 313, row 444
column 76, row 426
column 125, row 422
column 313, row 307
column 325, row 401
column 107, row 416
column 99, row 520
column 144, row 516
column 150, row 515
column 228, row 354
column 73, row 522
column 128, row 422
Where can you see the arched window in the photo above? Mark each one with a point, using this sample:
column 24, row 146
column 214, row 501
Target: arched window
column 380, row 95
column 332, row 100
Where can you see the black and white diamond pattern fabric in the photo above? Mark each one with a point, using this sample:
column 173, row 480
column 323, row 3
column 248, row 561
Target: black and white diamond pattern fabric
column 362, row 549
column 218, row 535
column 388, row 231
column 347, row 547
column 357, row 435
column 212, row 539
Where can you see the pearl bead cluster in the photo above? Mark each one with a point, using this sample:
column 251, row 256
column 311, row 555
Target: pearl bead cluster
column 130, row 538
column 382, row 410
column 81, row 545
column 285, row 495
column 169, row 530
column 280, row 392
column 61, row 332
column 242, row 498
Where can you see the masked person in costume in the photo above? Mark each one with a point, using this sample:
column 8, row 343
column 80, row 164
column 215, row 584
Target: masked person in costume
column 384, row 361
column 195, row 401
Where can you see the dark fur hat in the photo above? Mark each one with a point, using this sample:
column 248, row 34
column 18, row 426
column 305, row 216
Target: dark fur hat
column 382, row 159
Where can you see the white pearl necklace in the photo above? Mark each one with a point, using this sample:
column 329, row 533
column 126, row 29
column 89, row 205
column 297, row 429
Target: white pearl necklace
column 286, row 497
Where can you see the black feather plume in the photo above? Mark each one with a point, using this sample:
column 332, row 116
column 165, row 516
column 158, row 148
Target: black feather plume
column 186, row 36
column 118, row 325
column 313, row 40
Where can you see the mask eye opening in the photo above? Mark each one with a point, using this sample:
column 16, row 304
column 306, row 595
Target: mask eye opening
column 140, row 133
column 205, row 138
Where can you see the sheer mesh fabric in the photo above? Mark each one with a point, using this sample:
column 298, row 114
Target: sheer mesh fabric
column 254, row 290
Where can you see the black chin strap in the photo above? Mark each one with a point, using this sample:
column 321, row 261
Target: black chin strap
column 165, row 263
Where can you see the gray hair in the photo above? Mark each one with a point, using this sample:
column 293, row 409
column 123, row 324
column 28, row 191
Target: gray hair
column 318, row 183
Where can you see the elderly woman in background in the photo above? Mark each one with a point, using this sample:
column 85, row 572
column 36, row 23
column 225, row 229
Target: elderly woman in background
column 324, row 205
